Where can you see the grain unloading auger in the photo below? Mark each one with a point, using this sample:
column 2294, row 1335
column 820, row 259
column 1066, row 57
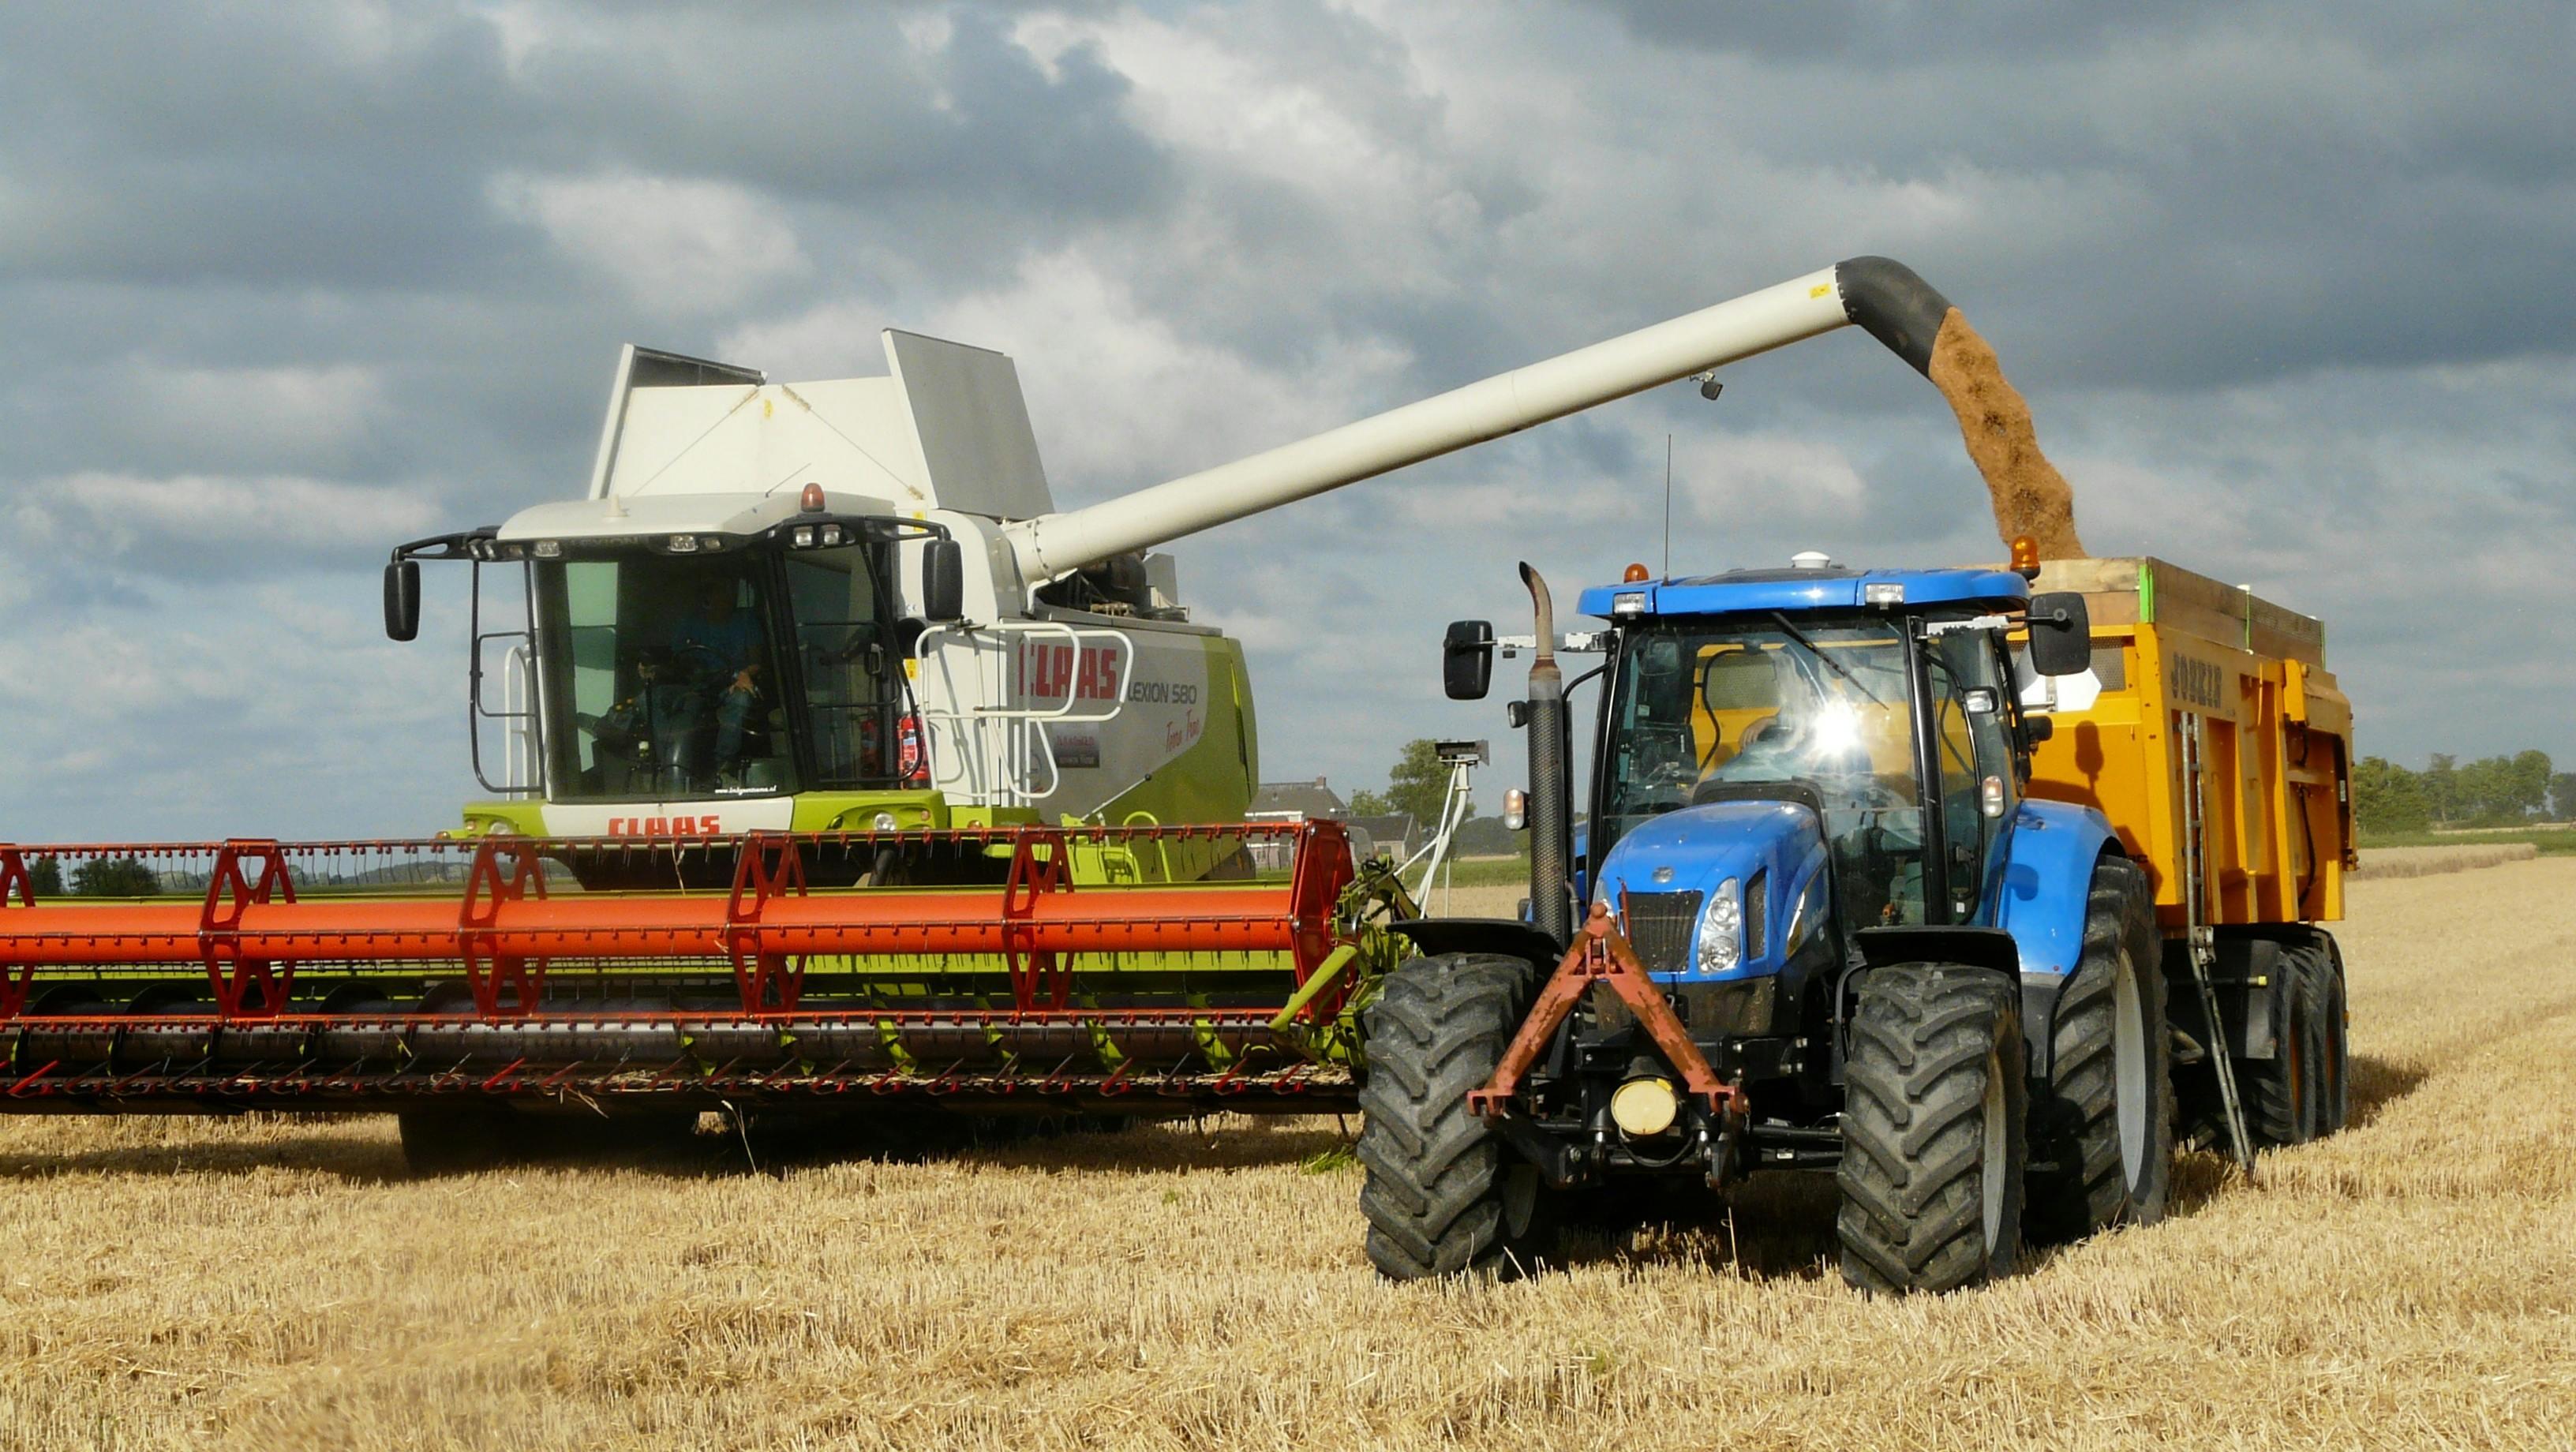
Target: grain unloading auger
column 833, row 759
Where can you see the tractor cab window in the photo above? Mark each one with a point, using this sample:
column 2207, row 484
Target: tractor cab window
column 1703, row 710
column 1979, row 783
column 661, row 678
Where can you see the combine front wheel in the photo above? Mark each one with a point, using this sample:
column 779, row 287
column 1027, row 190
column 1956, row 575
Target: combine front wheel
column 456, row 1140
column 2104, row 1122
column 1443, row 1194
column 1933, row 1148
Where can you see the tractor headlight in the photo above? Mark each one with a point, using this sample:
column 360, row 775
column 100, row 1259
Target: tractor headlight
column 1721, row 928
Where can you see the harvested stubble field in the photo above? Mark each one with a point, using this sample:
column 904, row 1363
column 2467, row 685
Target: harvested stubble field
column 2433, row 861
column 277, row 1283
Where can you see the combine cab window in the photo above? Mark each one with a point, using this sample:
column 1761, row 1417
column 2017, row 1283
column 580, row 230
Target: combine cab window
column 849, row 654
column 1696, row 710
column 749, row 672
column 660, row 679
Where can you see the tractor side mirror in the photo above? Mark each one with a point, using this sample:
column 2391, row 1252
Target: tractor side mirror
column 1467, row 659
column 402, row 600
column 943, row 581
column 2061, row 634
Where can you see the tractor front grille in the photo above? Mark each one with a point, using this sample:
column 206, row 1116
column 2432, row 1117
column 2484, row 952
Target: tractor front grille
column 1659, row 928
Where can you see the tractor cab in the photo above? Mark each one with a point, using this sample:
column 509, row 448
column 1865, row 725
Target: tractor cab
column 1871, row 713
column 1786, row 758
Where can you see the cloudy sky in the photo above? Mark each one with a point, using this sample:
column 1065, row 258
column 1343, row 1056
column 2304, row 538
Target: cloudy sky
column 2288, row 286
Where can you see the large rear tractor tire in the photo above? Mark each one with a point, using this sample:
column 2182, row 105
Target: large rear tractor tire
column 1443, row 1194
column 2103, row 1125
column 1934, row 1154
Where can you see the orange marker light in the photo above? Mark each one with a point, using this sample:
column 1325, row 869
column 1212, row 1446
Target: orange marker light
column 812, row 501
column 1635, row 573
column 2025, row 557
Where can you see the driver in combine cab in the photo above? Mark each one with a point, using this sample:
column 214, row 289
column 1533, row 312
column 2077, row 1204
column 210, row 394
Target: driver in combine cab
column 724, row 640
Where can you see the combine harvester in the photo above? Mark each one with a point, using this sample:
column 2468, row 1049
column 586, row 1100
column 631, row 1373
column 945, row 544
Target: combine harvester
column 835, row 769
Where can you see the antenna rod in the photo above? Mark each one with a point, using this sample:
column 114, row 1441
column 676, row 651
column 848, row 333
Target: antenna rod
column 1668, row 509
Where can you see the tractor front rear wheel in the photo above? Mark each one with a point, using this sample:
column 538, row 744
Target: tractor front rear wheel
column 1933, row 1130
column 1443, row 1194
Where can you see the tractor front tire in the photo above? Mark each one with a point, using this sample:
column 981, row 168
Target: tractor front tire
column 1443, row 1194
column 1934, row 1150
column 2103, row 1123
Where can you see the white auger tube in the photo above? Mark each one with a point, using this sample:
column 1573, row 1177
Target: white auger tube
column 1883, row 296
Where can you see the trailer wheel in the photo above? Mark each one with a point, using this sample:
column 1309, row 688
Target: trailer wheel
column 2281, row 1092
column 1443, row 1194
column 2336, row 1107
column 2321, row 989
column 1933, row 1136
column 2103, row 1122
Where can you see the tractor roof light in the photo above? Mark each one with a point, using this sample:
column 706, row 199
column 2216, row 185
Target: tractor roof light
column 548, row 549
column 1628, row 602
column 2025, row 556
column 682, row 544
column 811, row 501
column 1883, row 592
column 1634, row 575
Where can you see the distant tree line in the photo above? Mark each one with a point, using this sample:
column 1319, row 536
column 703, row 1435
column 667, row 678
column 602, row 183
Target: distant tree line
column 2494, row 791
column 97, row 877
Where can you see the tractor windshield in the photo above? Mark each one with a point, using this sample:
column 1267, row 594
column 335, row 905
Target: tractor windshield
column 739, row 673
column 1702, row 707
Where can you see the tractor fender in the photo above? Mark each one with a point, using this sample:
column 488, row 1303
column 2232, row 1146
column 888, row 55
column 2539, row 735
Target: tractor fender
column 1506, row 937
column 2047, row 895
column 2048, row 883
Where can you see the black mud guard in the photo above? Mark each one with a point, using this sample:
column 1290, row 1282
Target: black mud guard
column 1504, row 937
column 2250, row 979
column 1976, row 947
column 1989, row 948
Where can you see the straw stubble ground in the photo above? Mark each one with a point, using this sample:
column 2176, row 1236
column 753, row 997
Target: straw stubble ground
column 280, row 1283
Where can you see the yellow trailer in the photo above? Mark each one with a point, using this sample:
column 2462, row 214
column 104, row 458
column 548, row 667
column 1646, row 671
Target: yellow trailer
column 2215, row 740
column 2216, row 706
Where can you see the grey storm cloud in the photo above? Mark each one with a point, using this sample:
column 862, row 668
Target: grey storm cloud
column 281, row 285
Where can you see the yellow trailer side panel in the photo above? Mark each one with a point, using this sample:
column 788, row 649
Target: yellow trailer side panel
column 2218, row 745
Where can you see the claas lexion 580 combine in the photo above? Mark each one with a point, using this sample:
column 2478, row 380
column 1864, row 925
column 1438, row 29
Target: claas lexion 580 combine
column 832, row 768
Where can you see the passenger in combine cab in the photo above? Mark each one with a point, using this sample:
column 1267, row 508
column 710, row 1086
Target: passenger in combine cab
column 724, row 640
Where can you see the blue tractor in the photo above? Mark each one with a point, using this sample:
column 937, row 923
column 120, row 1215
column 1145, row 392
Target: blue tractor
column 1812, row 922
